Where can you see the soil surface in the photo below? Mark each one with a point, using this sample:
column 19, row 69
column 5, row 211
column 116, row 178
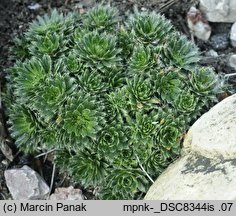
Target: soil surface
column 15, row 16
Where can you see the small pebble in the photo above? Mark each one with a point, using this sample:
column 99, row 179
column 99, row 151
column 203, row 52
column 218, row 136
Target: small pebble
column 211, row 53
column 5, row 162
column 26, row 184
column 220, row 41
column 198, row 25
column 67, row 194
column 233, row 35
column 232, row 61
column 143, row 9
column 34, row 6
column 6, row 151
column 81, row 11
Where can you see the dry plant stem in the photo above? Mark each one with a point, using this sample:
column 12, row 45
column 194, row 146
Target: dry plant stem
column 3, row 196
column 192, row 37
column 45, row 153
column 230, row 75
column 144, row 169
column 167, row 5
column 52, row 179
column 62, row 181
column 95, row 190
column 45, row 158
column 140, row 197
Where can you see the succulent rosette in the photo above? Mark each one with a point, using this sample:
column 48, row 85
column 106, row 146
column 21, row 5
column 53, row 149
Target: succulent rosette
column 169, row 84
column 72, row 63
column 149, row 28
column 91, row 81
column 111, row 141
column 203, row 81
column 125, row 41
column 20, row 49
column 142, row 59
column 101, row 17
column 29, row 75
column 49, row 44
column 117, row 104
column 88, row 168
column 125, row 158
column 145, row 126
column 180, row 52
column 170, row 133
column 155, row 163
column 49, row 139
column 169, row 138
column 25, row 128
column 99, row 50
column 186, row 102
column 141, row 89
column 125, row 182
column 80, row 121
column 43, row 30
column 50, row 97
column 78, row 34
column 55, row 22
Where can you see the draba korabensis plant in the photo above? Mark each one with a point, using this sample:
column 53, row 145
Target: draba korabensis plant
column 113, row 98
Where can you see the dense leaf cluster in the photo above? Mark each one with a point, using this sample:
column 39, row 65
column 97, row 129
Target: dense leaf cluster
column 113, row 98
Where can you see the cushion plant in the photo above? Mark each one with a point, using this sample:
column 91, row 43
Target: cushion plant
column 113, row 98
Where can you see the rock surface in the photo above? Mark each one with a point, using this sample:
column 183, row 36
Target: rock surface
column 214, row 133
column 207, row 168
column 220, row 41
column 26, row 184
column 195, row 177
column 67, row 194
column 211, row 53
column 219, row 10
column 233, row 35
column 232, row 61
column 198, row 25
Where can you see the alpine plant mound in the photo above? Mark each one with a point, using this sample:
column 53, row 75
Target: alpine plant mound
column 113, row 98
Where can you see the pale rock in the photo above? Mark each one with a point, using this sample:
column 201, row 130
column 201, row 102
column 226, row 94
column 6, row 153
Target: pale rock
column 26, row 184
column 206, row 169
column 219, row 10
column 220, row 41
column 211, row 53
column 233, row 35
column 232, row 61
column 143, row 9
column 214, row 133
column 34, row 6
column 67, row 194
column 195, row 177
column 198, row 26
